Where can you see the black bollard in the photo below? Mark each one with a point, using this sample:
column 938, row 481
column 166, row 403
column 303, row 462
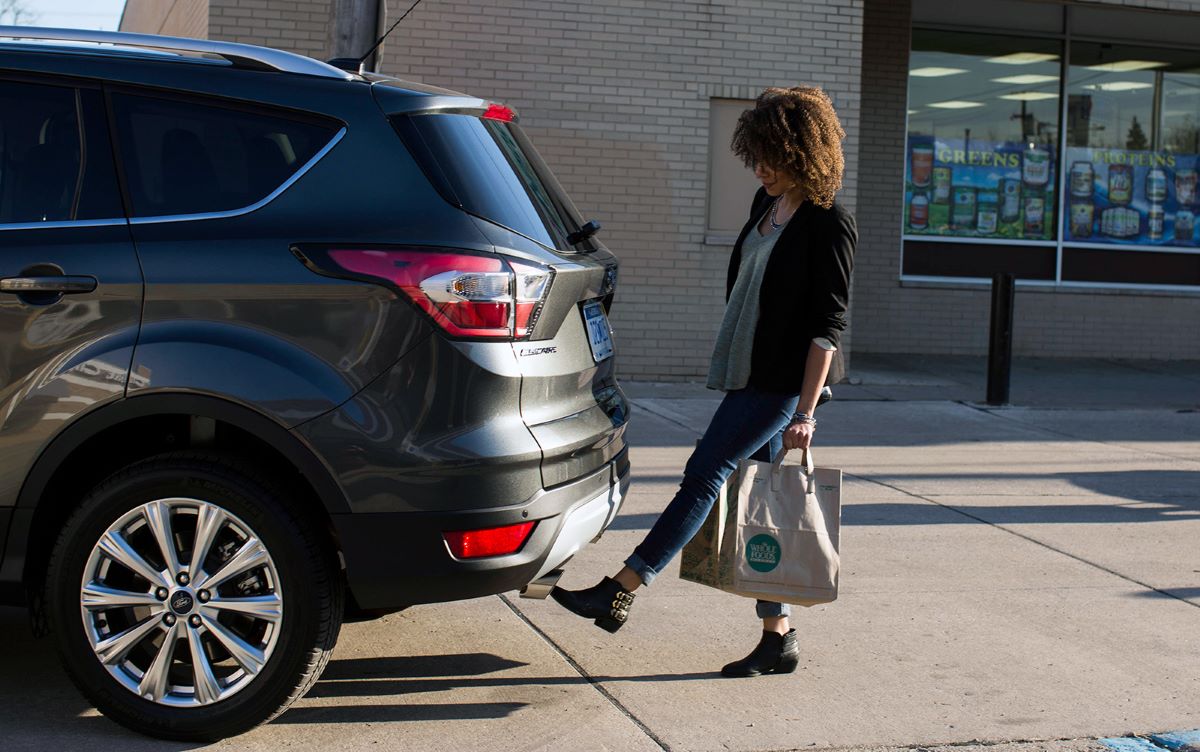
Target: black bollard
column 1000, row 341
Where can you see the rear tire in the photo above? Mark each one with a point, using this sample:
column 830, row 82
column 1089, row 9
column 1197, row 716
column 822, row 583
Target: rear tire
column 212, row 643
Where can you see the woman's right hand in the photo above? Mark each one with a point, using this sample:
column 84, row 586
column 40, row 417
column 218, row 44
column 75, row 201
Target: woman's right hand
column 798, row 435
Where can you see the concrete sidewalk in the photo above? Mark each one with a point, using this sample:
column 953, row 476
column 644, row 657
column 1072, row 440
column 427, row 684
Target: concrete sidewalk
column 1027, row 577
column 1035, row 382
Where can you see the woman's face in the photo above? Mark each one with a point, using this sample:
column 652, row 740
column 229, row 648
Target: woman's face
column 776, row 182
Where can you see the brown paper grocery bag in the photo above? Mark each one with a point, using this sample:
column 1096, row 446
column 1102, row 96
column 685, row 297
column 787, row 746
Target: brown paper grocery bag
column 788, row 525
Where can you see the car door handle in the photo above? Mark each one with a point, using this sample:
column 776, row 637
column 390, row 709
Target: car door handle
column 59, row 285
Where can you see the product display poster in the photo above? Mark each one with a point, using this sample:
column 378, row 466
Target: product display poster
column 1127, row 197
column 979, row 189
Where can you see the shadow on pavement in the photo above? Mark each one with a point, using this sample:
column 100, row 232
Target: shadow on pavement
column 41, row 710
column 400, row 685
column 1150, row 496
column 462, row 664
column 400, row 713
column 1184, row 593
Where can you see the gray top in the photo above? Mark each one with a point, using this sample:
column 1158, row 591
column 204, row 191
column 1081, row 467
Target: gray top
column 730, row 367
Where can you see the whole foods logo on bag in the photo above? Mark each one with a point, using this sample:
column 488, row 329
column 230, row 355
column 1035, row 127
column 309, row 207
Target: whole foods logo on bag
column 763, row 553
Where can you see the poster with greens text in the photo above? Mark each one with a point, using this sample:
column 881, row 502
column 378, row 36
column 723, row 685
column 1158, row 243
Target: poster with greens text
column 979, row 189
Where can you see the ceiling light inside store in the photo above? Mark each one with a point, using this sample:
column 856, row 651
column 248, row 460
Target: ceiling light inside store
column 1118, row 86
column 1023, row 58
column 1025, row 79
column 1029, row 96
column 955, row 104
column 1125, row 66
column 934, row 71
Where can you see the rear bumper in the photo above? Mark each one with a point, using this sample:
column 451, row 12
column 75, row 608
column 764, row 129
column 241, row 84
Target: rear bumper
column 398, row 559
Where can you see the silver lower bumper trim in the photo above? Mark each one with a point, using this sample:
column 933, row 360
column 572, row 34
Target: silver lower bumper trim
column 583, row 525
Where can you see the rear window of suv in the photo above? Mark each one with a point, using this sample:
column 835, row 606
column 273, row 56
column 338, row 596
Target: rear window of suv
column 490, row 169
column 183, row 157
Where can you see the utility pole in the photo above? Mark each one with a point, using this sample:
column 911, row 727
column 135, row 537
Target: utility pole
column 354, row 28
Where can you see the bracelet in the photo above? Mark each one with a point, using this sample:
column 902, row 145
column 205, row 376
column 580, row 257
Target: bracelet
column 804, row 418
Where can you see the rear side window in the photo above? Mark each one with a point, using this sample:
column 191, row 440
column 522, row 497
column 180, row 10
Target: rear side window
column 490, row 168
column 183, row 157
column 55, row 160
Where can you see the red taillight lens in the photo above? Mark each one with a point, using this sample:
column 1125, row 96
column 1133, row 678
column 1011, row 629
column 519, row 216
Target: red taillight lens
column 465, row 294
column 491, row 541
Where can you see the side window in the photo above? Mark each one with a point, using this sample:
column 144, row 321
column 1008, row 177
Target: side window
column 181, row 157
column 40, row 154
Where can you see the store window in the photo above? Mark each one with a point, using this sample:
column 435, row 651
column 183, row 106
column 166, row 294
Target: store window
column 982, row 137
column 1133, row 142
column 987, row 189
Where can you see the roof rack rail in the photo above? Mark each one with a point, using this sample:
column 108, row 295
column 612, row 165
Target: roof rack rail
column 242, row 55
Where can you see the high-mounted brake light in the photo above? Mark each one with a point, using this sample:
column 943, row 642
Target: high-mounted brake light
column 492, row 541
column 499, row 112
column 467, row 295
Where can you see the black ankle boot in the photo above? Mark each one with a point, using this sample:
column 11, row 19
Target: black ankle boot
column 775, row 654
column 608, row 603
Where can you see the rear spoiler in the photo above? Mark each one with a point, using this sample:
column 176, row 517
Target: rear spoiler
column 396, row 101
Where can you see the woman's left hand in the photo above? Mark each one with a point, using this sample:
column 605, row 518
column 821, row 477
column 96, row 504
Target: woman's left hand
column 798, row 435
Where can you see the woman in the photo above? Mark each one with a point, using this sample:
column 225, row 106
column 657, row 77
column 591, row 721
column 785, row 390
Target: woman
column 787, row 295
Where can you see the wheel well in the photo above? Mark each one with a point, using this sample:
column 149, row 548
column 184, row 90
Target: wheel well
column 138, row 438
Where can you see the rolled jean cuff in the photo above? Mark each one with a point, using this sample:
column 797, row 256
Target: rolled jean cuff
column 769, row 609
column 639, row 565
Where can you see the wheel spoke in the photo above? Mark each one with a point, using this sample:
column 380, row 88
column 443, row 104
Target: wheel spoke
column 154, row 683
column 158, row 518
column 265, row 607
column 247, row 656
column 209, row 520
column 114, row 546
column 252, row 554
column 206, row 687
column 113, row 649
column 98, row 597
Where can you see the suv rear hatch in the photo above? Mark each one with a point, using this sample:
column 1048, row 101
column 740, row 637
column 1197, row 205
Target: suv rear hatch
column 480, row 160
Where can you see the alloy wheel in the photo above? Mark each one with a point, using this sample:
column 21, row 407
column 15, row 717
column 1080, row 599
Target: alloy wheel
column 181, row 602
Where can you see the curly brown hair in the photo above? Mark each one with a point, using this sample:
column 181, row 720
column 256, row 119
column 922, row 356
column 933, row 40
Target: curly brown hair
column 797, row 131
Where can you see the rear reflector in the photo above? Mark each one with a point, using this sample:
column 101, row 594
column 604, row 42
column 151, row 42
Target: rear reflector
column 491, row 541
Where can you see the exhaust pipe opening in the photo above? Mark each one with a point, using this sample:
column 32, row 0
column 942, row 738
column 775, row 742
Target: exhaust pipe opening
column 541, row 587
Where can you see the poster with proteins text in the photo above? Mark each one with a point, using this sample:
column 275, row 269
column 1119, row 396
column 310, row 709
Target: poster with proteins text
column 1127, row 197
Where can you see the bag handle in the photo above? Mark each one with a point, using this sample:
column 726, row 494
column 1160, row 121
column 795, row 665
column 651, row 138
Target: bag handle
column 806, row 460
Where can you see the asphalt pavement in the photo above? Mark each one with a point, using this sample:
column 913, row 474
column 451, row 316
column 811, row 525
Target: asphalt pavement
column 1024, row 578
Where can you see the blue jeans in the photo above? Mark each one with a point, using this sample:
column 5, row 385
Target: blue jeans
column 748, row 424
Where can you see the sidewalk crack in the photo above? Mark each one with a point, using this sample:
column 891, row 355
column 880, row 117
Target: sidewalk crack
column 579, row 669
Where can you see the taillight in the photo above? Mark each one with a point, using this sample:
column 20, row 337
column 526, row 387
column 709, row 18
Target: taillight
column 492, row 541
column 466, row 295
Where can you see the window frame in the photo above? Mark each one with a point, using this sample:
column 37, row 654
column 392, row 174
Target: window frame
column 235, row 105
column 1059, row 245
column 85, row 116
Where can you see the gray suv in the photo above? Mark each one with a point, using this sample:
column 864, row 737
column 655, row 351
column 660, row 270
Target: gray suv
column 280, row 344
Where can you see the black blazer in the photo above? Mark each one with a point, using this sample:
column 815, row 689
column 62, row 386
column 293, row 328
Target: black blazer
column 805, row 290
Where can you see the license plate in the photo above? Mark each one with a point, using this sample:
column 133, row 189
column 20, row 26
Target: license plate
column 598, row 331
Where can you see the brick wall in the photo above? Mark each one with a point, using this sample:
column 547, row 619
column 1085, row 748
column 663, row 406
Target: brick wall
column 300, row 26
column 615, row 93
column 889, row 317
column 179, row 18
